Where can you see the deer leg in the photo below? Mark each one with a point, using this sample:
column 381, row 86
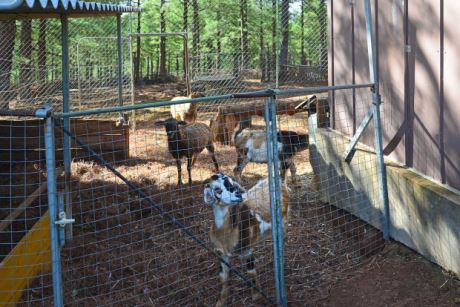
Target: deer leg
column 284, row 166
column 241, row 162
column 252, row 273
column 194, row 156
column 293, row 170
column 189, row 170
column 210, row 148
column 179, row 172
column 223, row 276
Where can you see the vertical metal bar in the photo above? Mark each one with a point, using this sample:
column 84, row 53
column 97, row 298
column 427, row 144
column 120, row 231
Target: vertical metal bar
column 65, row 108
column 441, row 96
column 272, row 199
column 381, row 171
column 52, row 211
column 78, row 75
column 277, row 60
column 353, row 63
column 120, row 62
column 131, row 61
column 332, row 66
column 187, row 64
column 279, row 223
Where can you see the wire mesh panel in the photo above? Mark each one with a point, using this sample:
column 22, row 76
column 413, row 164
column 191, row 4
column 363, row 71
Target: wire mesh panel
column 30, row 63
column 335, row 215
column 94, row 76
column 24, row 224
column 142, row 238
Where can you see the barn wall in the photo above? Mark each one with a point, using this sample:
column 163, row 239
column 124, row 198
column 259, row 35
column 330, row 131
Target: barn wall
column 419, row 111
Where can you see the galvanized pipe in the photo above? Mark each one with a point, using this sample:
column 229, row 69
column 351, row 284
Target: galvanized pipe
column 376, row 100
column 268, row 141
column 278, row 221
column 253, row 94
column 131, row 61
column 65, row 108
column 120, row 62
column 52, row 211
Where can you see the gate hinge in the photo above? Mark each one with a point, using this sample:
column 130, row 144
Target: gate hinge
column 63, row 220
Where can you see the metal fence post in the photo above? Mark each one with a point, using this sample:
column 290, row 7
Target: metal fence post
column 53, row 211
column 381, row 171
column 279, row 222
column 272, row 198
column 65, row 109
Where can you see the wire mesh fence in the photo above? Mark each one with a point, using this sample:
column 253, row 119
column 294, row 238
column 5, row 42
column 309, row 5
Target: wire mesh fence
column 141, row 237
column 24, row 225
column 125, row 250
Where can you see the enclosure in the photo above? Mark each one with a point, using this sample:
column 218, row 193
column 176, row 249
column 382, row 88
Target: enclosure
column 92, row 208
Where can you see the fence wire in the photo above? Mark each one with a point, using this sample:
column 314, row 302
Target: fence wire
column 122, row 251
column 24, row 226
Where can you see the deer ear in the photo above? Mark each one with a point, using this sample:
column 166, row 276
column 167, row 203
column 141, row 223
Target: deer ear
column 208, row 196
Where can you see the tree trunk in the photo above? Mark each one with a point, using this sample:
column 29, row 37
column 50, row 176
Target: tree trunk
column 322, row 20
column 151, row 67
column 137, row 63
column 177, row 65
column 169, row 64
column 303, row 59
column 41, row 52
column 273, row 59
column 267, row 62
column 261, row 42
column 219, row 39
column 284, row 49
column 243, row 31
column 157, row 66
column 7, row 35
column 185, row 29
column 196, row 35
column 25, row 53
column 162, row 72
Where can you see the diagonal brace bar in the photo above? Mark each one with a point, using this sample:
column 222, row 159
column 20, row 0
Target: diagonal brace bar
column 348, row 155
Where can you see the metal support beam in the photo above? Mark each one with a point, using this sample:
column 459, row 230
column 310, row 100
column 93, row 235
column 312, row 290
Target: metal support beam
column 121, row 118
column 376, row 100
column 279, row 222
column 348, row 155
column 65, row 109
column 120, row 61
column 52, row 211
column 268, row 141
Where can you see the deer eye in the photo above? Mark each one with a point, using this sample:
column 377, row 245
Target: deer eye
column 218, row 190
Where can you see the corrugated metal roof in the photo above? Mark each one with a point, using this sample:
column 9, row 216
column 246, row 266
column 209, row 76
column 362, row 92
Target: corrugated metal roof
column 34, row 6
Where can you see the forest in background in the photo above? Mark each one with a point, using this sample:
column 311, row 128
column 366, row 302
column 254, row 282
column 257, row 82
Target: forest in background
column 250, row 34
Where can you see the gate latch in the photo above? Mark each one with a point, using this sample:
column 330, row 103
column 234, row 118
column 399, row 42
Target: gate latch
column 63, row 220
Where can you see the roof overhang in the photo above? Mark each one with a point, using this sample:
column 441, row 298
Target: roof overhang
column 17, row 9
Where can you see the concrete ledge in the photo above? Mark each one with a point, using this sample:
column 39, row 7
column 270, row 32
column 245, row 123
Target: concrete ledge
column 424, row 215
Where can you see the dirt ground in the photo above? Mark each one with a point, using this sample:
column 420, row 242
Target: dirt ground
column 396, row 277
